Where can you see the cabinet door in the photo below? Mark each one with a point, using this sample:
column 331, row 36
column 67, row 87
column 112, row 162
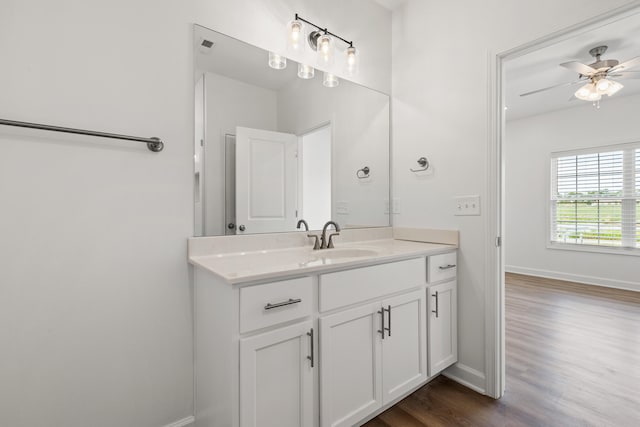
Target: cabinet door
column 276, row 378
column 443, row 326
column 404, row 348
column 350, row 365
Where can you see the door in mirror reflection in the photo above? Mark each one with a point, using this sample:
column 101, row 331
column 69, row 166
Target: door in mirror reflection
column 266, row 180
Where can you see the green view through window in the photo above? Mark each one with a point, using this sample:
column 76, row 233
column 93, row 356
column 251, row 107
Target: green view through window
column 595, row 197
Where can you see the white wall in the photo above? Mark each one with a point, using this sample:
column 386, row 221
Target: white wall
column 314, row 156
column 227, row 108
column 95, row 303
column 529, row 143
column 441, row 53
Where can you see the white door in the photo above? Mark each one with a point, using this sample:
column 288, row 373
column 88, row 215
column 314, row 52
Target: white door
column 350, row 365
column 404, row 347
column 443, row 326
column 276, row 378
column 266, row 181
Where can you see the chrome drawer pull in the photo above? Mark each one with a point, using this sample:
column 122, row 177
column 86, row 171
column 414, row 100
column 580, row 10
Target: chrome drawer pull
column 311, row 358
column 446, row 267
column 436, row 310
column 290, row 301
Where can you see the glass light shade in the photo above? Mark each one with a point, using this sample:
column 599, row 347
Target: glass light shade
column 352, row 61
column 603, row 85
column 330, row 80
column 305, row 71
column 295, row 36
column 586, row 92
column 614, row 87
column 325, row 49
column 277, row 61
column 594, row 96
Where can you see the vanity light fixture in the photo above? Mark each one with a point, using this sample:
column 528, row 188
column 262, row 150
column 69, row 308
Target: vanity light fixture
column 330, row 80
column 305, row 71
column 295, row 35
column 276, row 61
column 323, row 42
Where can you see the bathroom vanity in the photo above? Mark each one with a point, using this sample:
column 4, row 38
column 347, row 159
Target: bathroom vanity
column 290, row 336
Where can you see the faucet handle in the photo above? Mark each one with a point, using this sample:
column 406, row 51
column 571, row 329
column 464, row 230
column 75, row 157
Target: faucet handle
column 330, row 245
column 316, row 243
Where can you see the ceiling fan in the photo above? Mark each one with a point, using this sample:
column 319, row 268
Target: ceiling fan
column 597, row 76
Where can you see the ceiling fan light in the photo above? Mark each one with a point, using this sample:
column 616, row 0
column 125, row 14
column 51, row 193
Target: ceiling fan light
column 614, row 87
column 603, row 85
column 584, row 92
column 594, row 96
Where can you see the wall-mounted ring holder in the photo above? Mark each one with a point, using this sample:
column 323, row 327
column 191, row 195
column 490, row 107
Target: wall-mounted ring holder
column 422, row 161
column 363, row 173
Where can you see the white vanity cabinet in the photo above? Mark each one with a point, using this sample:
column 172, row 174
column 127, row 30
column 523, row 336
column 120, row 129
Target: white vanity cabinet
column 331, row 348
column 375, row 352
column 442, row 309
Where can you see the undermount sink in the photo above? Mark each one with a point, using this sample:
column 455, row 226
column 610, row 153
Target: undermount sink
column 340, row 253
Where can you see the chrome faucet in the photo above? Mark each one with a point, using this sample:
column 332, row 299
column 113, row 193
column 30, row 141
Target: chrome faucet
column 303, row 222
column 328, row 244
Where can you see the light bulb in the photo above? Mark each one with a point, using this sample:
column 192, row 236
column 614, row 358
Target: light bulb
column 325, row 49
column 584, row 93
column 352, row 61
column 305, row 71
column 295, row 36
column 602, row 85
column 277, row 61
column 330, row 80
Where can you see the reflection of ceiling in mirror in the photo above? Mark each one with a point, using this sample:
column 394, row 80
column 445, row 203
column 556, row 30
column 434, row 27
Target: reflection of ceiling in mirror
column 249, row 64
column 541, row 68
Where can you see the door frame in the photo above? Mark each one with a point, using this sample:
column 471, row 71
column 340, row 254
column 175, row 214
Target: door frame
column 495, row 365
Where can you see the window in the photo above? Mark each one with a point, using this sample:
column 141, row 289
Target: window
column 595, row 197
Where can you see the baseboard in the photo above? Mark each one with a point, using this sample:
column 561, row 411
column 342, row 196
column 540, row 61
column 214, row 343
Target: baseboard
column 183, row 422
column 466, row 376
column 588, row 280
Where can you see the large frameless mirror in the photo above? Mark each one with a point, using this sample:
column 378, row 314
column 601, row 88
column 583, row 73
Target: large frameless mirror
column 272, row 148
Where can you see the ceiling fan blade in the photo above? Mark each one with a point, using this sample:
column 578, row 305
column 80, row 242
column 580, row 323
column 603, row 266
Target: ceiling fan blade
column 579, row 67
column 554, row 86
column 626, row 65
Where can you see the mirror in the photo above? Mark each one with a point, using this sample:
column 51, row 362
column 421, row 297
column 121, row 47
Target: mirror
column 271, row 148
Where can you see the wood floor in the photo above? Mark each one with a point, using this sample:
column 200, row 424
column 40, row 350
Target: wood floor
column 573, row 359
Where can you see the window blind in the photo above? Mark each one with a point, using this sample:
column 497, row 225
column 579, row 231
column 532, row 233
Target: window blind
column 595, row 197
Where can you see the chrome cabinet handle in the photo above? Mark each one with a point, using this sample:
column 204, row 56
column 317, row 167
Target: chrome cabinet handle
column 310, row 335
column 382, row 328
column 388, row 309
column 436, row 310
column 290, row 301
column 446, row 267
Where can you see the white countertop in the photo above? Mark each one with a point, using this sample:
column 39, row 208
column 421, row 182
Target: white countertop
column 282, row 263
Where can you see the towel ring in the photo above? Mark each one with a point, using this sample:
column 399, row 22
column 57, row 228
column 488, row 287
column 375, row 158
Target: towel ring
column 363, row 173
column 422, row 161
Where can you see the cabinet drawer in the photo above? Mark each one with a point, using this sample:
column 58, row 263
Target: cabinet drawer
column 442, row 267
column 273, row 303
column 352, row 286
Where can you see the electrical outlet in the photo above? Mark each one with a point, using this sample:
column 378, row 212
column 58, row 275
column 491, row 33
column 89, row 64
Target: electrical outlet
column 466, row 205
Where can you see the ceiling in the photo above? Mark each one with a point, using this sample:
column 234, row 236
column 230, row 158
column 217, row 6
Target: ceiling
column 540, row 69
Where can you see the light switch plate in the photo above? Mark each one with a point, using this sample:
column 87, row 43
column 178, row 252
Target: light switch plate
column 466, row 205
